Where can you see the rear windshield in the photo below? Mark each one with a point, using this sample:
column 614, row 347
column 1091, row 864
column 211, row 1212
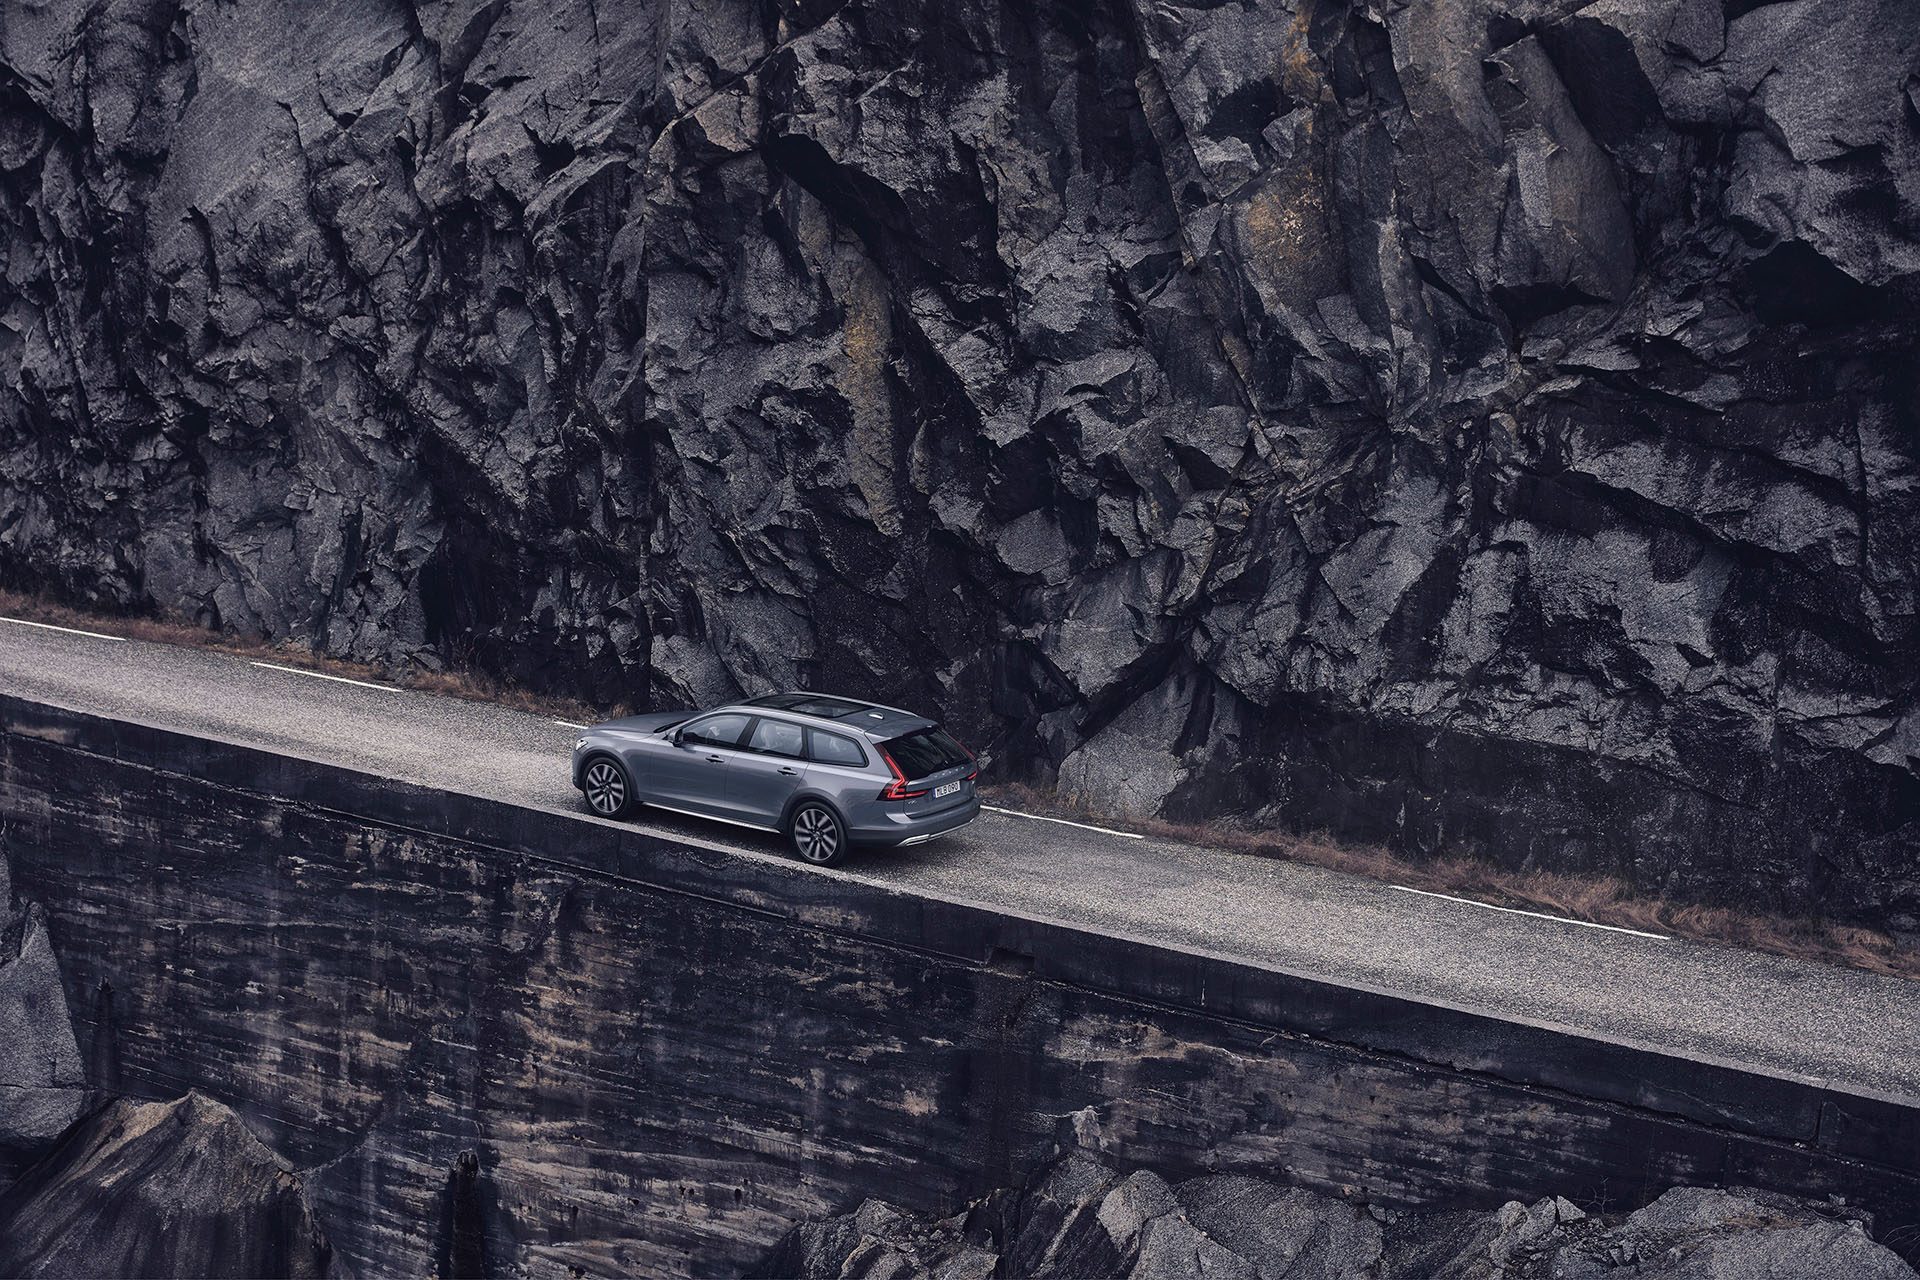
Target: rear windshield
column 926, row 751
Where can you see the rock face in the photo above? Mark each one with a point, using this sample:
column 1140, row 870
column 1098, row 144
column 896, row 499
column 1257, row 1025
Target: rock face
column 1084, row 1218
column 42, row 1079
column 161, row 1189
column 1483, row 425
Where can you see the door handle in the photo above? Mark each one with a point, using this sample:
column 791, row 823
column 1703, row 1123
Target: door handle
column 716, row 759
column 791, row 773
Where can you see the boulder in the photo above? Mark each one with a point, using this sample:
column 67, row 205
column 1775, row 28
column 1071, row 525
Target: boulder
column 177, row 1188
column 42, row 1078
column 1082, row 1217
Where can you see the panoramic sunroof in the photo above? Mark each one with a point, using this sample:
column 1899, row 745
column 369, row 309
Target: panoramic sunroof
column 809, row 704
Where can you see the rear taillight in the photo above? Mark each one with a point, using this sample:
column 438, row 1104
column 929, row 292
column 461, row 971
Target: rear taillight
column 897, row 789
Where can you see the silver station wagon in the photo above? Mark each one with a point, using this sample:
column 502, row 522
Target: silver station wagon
column 827, row 773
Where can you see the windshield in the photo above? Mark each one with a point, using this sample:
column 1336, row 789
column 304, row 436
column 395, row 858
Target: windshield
column 926, row 751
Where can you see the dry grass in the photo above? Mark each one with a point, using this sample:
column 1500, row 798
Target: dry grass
column 1598, row 899
column 458, row 683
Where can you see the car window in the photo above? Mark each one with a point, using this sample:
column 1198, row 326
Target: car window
column 834, row 748
column 926, row 751
column 716, row 731
column 777, row 738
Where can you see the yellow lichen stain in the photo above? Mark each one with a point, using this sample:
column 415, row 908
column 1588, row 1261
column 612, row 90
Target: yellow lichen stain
column 1297, row 75
column 1283, row 225
column 867, row 336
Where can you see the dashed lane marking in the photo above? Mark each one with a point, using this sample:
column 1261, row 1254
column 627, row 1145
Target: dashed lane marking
column 568, row 724
column 1041, row 817
column 321, row 675
column 72, row 631
column 1538, row 915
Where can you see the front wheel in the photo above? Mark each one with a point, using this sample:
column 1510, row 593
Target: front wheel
column 816, row 834
column 606, row 787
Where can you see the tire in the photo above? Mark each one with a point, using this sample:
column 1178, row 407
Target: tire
column 607, row 789
column 816, row 834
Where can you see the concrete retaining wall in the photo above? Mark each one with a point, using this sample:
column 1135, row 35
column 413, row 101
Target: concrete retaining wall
column 665, row 1055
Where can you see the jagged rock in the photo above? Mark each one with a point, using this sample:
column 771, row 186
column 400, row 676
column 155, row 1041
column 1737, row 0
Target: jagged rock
column 42, row 1079
column 877, row 1242
column 1059, row 1219
column 1285, row 1231
column 1080, row 1217
column 1479, row 425
column 161, row 1189
column 1694, row 1231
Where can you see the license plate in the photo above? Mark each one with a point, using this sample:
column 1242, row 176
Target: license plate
column 945, row 789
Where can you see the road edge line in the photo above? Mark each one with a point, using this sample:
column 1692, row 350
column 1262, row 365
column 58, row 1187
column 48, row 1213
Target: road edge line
column 1538, row 915
column 321, row 675
column 72, row 631
column 1041, row 817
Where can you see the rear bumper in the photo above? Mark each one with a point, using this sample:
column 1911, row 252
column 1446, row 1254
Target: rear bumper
column 905, row 830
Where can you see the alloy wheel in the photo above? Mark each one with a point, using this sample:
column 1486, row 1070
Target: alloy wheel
column 606, row 788
column 816, row 834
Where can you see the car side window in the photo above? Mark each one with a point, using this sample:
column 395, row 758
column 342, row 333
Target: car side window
column 716, row 731
column 777, row 738
column 834, row 748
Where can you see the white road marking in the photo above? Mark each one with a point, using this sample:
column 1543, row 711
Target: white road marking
column 321, row 675
column 568, row 724
column 1539, row 915
column 72, row 631
column 1041, row 817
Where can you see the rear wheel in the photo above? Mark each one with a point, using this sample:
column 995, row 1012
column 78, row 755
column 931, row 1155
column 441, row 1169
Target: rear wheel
column 816, row 834
column 605, row 784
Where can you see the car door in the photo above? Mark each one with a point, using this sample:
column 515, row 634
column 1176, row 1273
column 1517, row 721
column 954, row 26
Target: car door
column 764, row 776
column 691, row 773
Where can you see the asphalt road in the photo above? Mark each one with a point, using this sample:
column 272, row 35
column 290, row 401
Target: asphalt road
column 1764, row 1012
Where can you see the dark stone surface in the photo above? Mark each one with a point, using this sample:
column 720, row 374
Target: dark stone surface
column 43, row 1086
column 161, row 1189
column 1083, row 1217
column 1481, row 425
column 484, row 1031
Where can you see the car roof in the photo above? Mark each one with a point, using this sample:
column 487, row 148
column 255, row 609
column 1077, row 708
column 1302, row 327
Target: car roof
column 873, row 719
column 824, row 706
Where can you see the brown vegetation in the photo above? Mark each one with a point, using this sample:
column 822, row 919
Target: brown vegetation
column 1597, row 899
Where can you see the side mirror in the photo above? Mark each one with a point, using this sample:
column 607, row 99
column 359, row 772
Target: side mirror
column 676, row 736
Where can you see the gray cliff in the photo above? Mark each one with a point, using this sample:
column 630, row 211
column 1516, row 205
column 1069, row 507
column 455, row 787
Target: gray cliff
column 1479, row 425
column 43, row 1086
